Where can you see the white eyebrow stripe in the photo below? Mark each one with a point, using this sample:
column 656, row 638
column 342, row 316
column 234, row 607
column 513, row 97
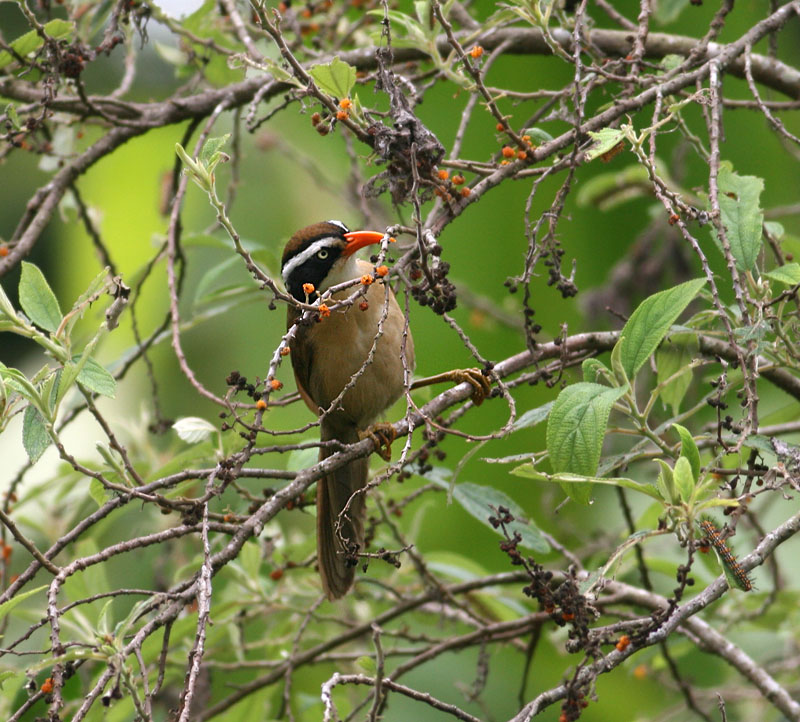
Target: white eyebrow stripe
column 341, row 225
column 303, row 256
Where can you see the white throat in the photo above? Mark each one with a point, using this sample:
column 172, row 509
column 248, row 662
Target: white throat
column 345, row 269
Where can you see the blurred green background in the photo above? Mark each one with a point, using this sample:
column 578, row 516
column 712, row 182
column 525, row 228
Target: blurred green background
column 290, row 176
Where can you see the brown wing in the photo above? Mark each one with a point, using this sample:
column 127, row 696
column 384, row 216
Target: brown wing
column 302, row 358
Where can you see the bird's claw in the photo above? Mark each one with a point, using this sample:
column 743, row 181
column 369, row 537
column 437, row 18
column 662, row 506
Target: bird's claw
column 481, row 385
column 382, row 436
column 480, row 382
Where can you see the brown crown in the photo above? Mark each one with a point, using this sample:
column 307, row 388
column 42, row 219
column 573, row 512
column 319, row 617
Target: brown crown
column 302, row 238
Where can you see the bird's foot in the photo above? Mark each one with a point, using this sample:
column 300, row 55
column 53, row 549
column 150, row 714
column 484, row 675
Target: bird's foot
column 382, row 435
column 481, row 385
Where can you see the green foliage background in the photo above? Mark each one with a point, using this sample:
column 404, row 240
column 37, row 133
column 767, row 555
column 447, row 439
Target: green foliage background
column 291, row 176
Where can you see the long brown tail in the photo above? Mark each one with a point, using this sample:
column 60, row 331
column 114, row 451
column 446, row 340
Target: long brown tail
column 336, row 551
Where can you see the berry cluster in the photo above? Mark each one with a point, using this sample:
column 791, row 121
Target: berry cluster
column 432, row 287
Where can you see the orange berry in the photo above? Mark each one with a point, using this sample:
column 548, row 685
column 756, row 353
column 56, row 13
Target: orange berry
column 261, row 405
column 392, row 240
column 503, row 162
column 228, row 518
column 285, row 351
column 508, row 151
column 324, row 311
column 47, row 686
column 476, row 51
column 382, row 271
column 500, row 127
column 345, row 103
column 366, row 280
column 3, row 251
column 522, row 155
column 465, row 192
column 443, row 174
column 363, row 305
column 342, row 115
column 640, row 672
column 275, row 385
column 567, row 616
column 308, row 288
column 458, row 180
column 7, row 552
column 276, row 574
column 527, row 139
column 306, row 12
column 623, row 643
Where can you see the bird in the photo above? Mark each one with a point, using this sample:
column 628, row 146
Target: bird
column 326, row 353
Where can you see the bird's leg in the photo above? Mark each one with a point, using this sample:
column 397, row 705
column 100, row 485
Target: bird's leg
column 481, row 386
column 382, row 435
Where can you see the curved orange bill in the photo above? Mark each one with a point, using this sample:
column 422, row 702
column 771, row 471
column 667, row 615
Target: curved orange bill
column 360, row 239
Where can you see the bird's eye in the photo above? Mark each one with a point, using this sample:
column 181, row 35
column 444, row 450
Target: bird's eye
column 323, row 254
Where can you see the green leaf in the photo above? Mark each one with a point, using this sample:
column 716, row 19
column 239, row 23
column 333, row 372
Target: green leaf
column 775, row 229
column 668, row 11
column 211, row 147
column 31, row 41
column 529, row 471
column 684, row 478
column 194, row 429
column 37, row 298
column 478, row 502
column 532, row 417
column 672, row 356
column 218, row 276
column 6, row 307
column 35, row 438
column 741, row 215
column 538, row 136
column 608, row 190
column 788, row 274
column 9, row 674
column 250, row 559
column 96, row 378
column 604, row 141
column 620, row 374
column 650, row 322
column 689, row 450
column 205, row 24
column 760, row 443
column 277, row 72
column 98, row 492
column 593, row 368
column 11, row 114
column 366, row 664
column 416, row 35
column 6, row 607
column 576, row 428
column 666, row 483
column 65, row 380
column 336, row 78
column 170, row 54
